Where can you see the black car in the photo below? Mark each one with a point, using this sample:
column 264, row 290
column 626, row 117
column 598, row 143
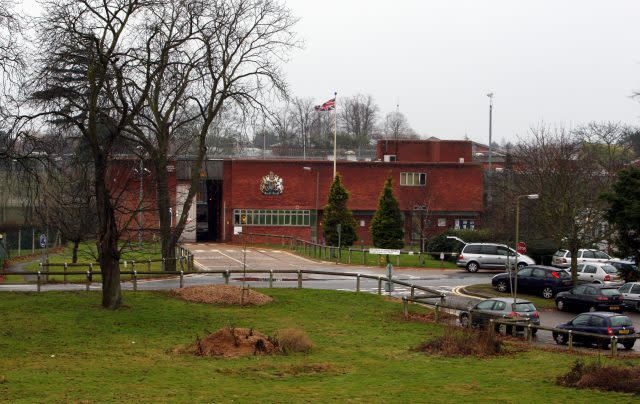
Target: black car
column 522, row 312
column 604, row 323
column 591, row 297
column 536, row 279
column 627, row 269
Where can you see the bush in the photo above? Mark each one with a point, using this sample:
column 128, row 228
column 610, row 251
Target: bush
column 458, row 341
column 292, row 340
column 595, row 375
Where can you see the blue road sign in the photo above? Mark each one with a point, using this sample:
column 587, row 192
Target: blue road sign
column 43, row 241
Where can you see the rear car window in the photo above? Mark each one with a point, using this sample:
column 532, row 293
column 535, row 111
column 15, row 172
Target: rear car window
column 471, row 249
column 524, row 307
column 610, row 269
column 610, row 292
column 601, row 255
column 564, row 275
column 560, row 253
column 620, row 321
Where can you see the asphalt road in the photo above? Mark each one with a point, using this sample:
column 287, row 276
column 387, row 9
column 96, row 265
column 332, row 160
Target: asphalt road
column 211, row 257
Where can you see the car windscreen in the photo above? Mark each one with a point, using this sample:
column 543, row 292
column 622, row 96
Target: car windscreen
column 524, row 307
column 609, row 292
column 620, row 321
column 610, row 269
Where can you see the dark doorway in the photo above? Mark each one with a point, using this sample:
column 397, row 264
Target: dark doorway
column 208, row 211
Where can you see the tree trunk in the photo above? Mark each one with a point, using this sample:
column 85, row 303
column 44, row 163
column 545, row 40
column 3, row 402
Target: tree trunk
column 108, row 253
column 74, row 254
column 573, row 250
column 168, row 239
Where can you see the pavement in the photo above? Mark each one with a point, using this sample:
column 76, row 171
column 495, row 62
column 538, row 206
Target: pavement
column 220, row 257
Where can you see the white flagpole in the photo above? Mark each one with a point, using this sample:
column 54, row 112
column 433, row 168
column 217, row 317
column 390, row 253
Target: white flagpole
column 335, row 130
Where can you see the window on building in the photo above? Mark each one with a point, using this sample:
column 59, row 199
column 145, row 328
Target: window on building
column 413, row 179
column 268, row 217
column 442, row 222
column 469, row 224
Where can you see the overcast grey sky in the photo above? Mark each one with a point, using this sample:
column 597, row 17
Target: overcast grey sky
column 564, row 62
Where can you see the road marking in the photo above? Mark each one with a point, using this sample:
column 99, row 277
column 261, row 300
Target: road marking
column 231, row 258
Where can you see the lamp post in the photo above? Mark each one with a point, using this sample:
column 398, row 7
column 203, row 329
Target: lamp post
column 515, row 281
column 317, row 196
column 490, row 95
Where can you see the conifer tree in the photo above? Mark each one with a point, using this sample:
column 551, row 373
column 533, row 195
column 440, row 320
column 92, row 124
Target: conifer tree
column 335, row 212
column 387, row 226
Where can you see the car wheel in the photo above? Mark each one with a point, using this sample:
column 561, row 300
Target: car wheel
column 534, row 331
column 560, row 305
column 502, row 286
column 560, row 339
column 473, row 267
column 521, row 265
column 503, row 329
column 464, row 321
column 592, row 308
column 547, row 293
column 638, row 306
column 602, row 344
column 628, row 344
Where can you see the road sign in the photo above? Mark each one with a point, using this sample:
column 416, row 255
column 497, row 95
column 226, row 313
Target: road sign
column 43, row 241
column 383, row 251
column 521, row 247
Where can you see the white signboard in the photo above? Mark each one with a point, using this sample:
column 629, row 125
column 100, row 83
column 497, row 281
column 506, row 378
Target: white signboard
column 237, row 230
column 383, row 251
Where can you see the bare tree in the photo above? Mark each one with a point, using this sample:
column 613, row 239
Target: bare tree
column 358, row 118
column 87, row 48
column 200, row 60
column 396, row 126
column 557, row 165
column 303, row 114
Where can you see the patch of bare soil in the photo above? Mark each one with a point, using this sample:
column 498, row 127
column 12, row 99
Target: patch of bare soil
column 232, row 343
column 222, row 294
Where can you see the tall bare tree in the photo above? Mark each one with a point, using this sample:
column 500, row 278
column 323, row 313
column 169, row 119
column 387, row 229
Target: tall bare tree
column 87, row 49
column 396, row 126
column 558, row 166
column 358, row 118
column 202, row 59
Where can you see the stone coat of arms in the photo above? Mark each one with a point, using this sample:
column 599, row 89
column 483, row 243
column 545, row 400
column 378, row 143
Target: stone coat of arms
column 271, row 184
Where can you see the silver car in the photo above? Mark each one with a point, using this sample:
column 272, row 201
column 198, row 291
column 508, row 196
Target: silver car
column 475, row 256
column 562, row 258
column 596, row 272
column 631, row 295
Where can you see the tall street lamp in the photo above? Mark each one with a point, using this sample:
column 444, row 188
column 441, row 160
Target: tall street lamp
column 317, row 196
column 490, row 95
column 529, row 196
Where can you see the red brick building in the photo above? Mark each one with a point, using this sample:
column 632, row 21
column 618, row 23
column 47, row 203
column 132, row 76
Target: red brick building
column 435, row 181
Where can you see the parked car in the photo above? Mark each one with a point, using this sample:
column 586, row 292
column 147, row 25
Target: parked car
column 562, row 258
column 631, row 295
column 522, row 312
column 605, row 274
column 628, row 270
column 592, row 297
column 604, row 323
column 536, row 279
column 475, row 256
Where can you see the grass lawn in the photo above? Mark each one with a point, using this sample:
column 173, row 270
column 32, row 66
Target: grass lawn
column 414, row 260
column 539, row 302
column 62, row 347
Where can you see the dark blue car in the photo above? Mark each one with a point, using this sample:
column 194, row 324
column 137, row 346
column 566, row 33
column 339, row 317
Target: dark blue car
column 598, row 322
column 536, row 279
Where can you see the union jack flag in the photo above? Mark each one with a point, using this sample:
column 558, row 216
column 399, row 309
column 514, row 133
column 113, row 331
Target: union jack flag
column 327, row 106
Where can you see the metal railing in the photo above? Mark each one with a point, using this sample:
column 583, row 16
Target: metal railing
column 335, row 253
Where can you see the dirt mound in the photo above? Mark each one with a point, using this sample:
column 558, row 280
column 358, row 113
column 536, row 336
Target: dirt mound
column 233, row 343
column 222, row 294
